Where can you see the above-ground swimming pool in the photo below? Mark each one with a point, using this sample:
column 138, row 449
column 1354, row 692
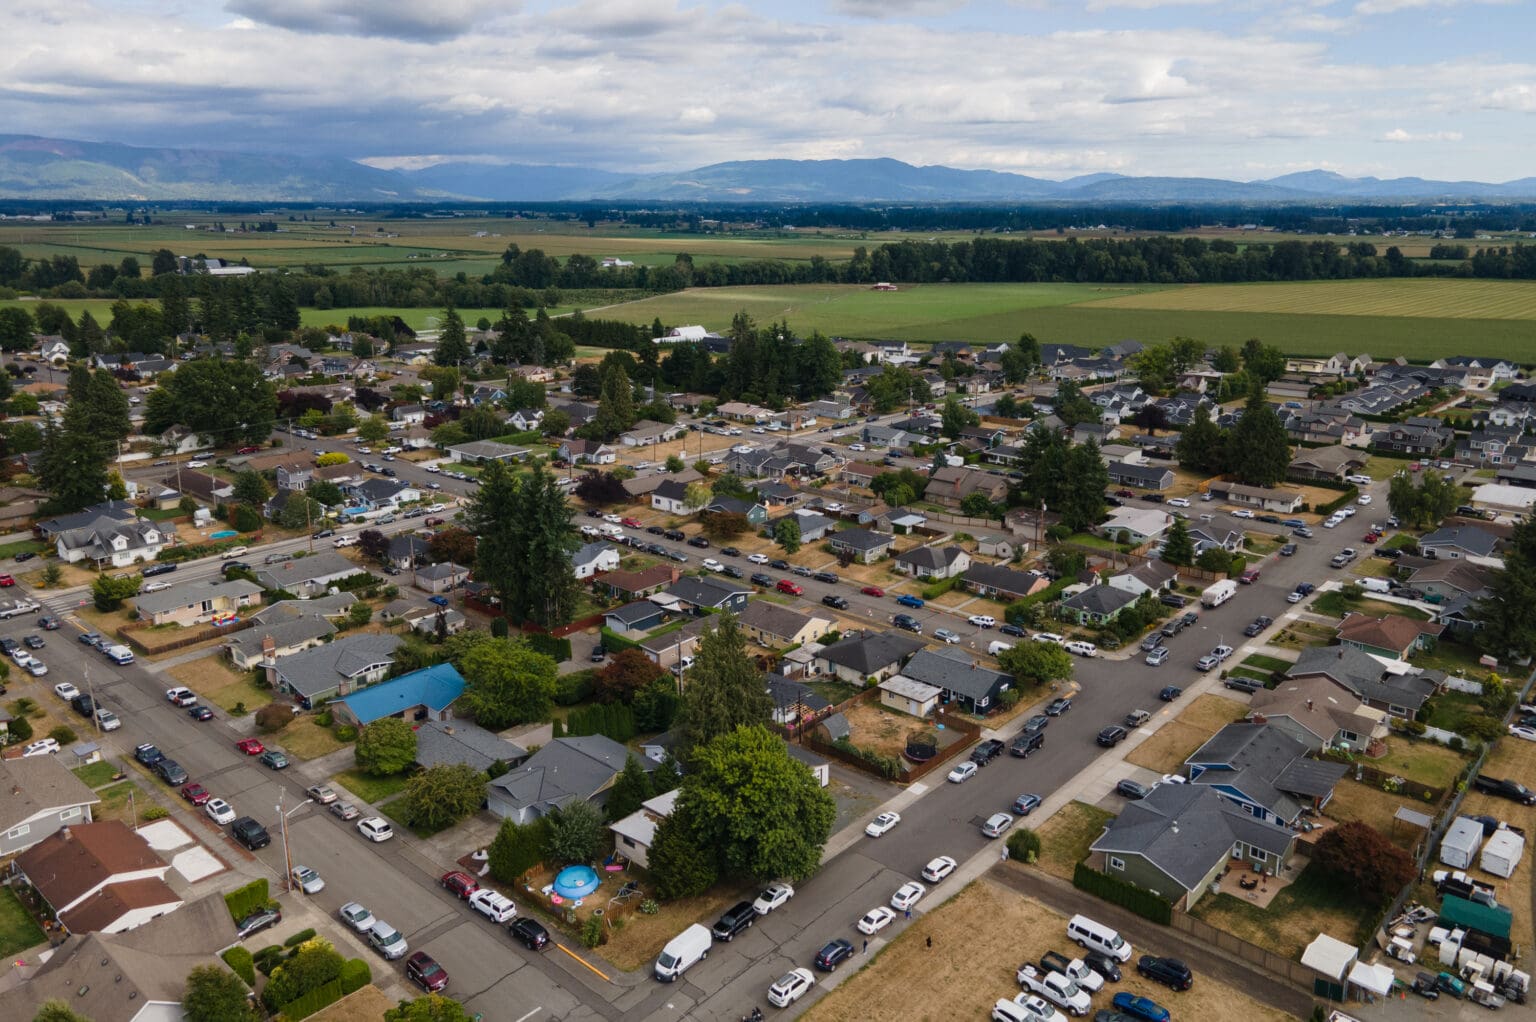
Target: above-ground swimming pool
column 226, row 534
column 576, row 882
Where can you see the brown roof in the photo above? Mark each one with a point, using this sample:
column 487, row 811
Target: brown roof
column 1317, row 704
column 346, row 470
column 65, row 865
column 635, row 581
column 262, row 462
column 863, row 468
column 34, row 784
column 1390, row 631
column 114, row 901
column 1469, row 578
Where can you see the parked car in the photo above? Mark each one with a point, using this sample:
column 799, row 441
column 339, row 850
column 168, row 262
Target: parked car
column 1132, row 789
column 791, row 987
column 987, row 751
column 258, row 921
column 1056, row 707
column 375, row 828
column 1170, row 972
column 997, row 824
column 836, row 602
column 1111, row 736
column 1026, row 804
column 460, row 884
column 1157, row 657
column 1168, row 693
column 872, row 591
column 882, row 824
column 907, row 895
column 945, row 635
column 274, row 760
column 774, row 895
column 250, row 833
column 938, row 868
column 875, row 920
column 219, row 811
column 530, row 933
column 1026, row 744
column 833, row 953
column 962, row 772
column 307, row 880
column 386, row 940
column 907, row 600
column 1143, row 1008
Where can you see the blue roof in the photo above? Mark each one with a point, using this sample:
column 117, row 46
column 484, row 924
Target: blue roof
column 436, row 687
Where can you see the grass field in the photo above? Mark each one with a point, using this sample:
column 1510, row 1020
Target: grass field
column 18, row 930
column 1065, row 837
column 1309, row 905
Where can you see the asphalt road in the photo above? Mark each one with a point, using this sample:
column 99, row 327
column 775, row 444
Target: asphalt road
column 500, row 979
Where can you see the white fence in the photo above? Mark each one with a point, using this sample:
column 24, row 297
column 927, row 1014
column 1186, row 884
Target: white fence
column 1464, row 685
column 1442, row 736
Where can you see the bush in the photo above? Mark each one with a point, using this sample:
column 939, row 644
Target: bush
column 517, row 848
column 560, row 649
column 240, row 963
column 1120, row 892
column 298, row 938
column 63, row 735
column 18, row 730
column 574, row 688
column 499, row 628
column 592, row 931
column 939, row 588
column 154, row 813
column 325, row 718
column 306, row 1005
column 649, row 907
column 355, row 974
column 1024, row 845
column 1009, row 698
column 273, row 717
column 242, row 901
column 345, row 732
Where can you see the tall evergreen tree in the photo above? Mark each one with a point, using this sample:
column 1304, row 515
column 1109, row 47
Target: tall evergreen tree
column 1258, row 451
column 452, row 344
column 630, row 789
column 725, row 689
column 616, row 403
column 1203, row 446
column 175, row 309
column 525, row 542
column 73, row 468
column 1087, row 478
column 1179, row 548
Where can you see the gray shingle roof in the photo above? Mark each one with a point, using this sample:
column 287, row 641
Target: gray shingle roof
column 1099, row 600
column 928, row 557
column 1364, row 675
column 1468, row 537
column 955, row 672
column 455, row 742
column 321, row 669
column 1260, row 758
column 773, row 619
column 862, row 539
column 705, row 592
column 867, row 654
column 190, row 594
column 563, row 770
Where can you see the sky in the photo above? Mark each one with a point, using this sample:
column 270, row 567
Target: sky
column 1237, row 89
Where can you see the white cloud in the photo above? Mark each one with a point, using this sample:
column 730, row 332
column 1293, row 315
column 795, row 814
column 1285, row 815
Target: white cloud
column 698, row 115
column 1399, row 135
column 402, row 19
column 1377, row 7
column 896, row 8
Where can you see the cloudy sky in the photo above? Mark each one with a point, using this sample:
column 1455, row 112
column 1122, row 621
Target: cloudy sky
column 1238, row 89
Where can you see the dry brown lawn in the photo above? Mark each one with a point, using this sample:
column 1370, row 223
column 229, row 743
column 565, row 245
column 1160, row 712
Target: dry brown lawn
column 1173, row 743
column 882, row 729
column 1353, row 800
column 1517, row 759
column 1065, row 837
column 641, row 938
column 969, row 967
column 1290, row 922
column 214, row 680
column 305, row 739
column 366, row 1005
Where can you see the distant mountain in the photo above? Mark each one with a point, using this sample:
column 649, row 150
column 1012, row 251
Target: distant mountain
column 46, row 168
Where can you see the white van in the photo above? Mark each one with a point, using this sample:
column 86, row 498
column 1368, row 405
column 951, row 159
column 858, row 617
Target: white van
column 120, row 654
column 1098, row 937
column 682, row 952
column 1374, row 585
column 997, row 647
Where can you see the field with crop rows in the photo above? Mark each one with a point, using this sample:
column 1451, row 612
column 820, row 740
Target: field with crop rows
column 1434, row 298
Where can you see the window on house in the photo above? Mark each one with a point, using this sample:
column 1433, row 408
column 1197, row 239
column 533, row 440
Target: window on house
column 19, row 832
column 1349, row 736
column 1399, row 711
column 1116, row 864
column 1257, row 854
column 70, row 813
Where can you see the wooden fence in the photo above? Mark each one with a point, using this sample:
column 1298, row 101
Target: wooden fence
column 910, row 772
column 131, row 634
column 1270, row 962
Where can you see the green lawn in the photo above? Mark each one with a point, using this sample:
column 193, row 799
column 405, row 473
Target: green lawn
column 1308, row 905
column 370, row 789
column 18, row 930
column 834, row 692
column 1421, row 760
column 1267, row 663
column 94, row 775
column 1401, row 541
column 1451, row 709
column 1452, row 658
column 1336, row 604
column 1244, row 672
column 26, row 546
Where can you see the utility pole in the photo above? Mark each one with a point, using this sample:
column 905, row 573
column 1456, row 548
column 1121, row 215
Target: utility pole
column 282, row 818
column 91, row 694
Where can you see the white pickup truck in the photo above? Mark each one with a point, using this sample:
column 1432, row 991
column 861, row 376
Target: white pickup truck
column 1056, row 988
column 11, row 608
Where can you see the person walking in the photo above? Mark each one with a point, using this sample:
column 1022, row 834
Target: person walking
column 866, row 946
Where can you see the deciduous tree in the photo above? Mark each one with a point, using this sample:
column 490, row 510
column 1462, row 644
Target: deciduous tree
column 955, row 418
column 1361, row 860
column 213, row 994
column 509, row 683
column 385, row 747
column 428, row 1008
column 443, row 794
column 786, row 533
column 1036, row 662
column 626, row 674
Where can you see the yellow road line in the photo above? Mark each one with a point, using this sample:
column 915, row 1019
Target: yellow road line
column 583, row 961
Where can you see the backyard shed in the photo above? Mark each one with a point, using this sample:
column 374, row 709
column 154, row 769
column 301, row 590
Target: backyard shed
column 1502, row 853
column 1459, row 847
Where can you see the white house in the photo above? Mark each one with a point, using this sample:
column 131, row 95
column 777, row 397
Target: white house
column 593, row 558
column 672, row 497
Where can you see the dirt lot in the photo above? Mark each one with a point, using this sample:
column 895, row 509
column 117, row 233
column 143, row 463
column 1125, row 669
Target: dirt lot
column 1517, row 759
column 1065, row 837
column 366, row 1005
column 884, row 730
column 968, row 967
column 1173, row 743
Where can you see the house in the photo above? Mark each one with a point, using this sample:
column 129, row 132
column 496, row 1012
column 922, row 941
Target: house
column 1146, row 477
column 534, row 374
column 460, row 743
column 1381, row 684
column 975, row 688
column 1001, row 547
column 1318, row 714
column 207, row 488
column 294, row 476
column 668, row 648
column 194, row 603
column 1496, row 499
column 696, row 594
column 422, row 695
column 52, row 348
column 1327, row 463
column 1264, row 770
column 428, row 620
column 933, row 563
column 109, row 535
column 527, row 419
column 635, row 833
column 487, row 394
column 635, row 618
column 646, row 433
column 1262, row 497
column 754, row 512
column 1325, row 425
column 350, row 663
column 1178, row 840
column 950, row 486
column 672, row 497
column 637, row 585
column 380, row 494
column 587, row 452
column 771, row 625
column 742, row 411
column 1096, row 605
column 1451, row 578
column 308, row 576
column 406, row 550
column 861, row 473
column 591, row 558
column 1453, row 542
column 1003, row 583
column 1207, row 537
column 137, row 975
column 795, row 704
column 1416, row 436
column 904, row 695
column 280, row 637
column 1152, row 577
column 98, row 877
column 42, row 796
column 836, row 410
column 876, row 655
column 411, row 415
column 814, row 526
column 903, row 521
column 441, row 577
column 885, row 436
column 1391, row 635
column 1137, row 524
column 564, row 771
column 861, row 545
column 477, row 452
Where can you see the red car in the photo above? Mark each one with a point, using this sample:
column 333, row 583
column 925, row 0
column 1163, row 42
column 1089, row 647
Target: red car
column 6, row 580
column 250, row 746
column 1124, row 493
column 632, row 523
column 786, row 586
column 249, row 449
column 872, row 591
column 423, row 970
column 1249, row 577
column 461, row 884
column 1371, row 537
column 195, row 793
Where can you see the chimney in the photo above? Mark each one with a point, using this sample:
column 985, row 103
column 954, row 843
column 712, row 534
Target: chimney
column 268, row 648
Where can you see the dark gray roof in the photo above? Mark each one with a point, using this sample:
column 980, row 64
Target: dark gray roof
column 1313, row 778
column 774, row 619
column 785, row 692
column 1187, row 830
column 954, row 672
column 1468, row 537
column 837, row 726
column 1257, row 757
column 454, row 742
column 705, row 592
column 1364, row 675
column 870, row 653
column 640, row 610
column 931, row 557
column 563, row 770
column 862, row 539
column 1001, row 578
column 671, row 490
column 319, row 670
column 1099, row 600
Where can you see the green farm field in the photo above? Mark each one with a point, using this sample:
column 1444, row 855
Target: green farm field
column 1433, row 298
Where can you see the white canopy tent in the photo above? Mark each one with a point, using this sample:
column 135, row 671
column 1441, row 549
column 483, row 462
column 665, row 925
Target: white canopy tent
column 1330, row 956
column 1375, row 979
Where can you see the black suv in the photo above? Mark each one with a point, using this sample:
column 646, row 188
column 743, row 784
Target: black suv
column 157, row 569
column 760, row 579
column 835, row 601
column 675, row 535
column 529, row 933
column 1111, row 736
column 1170, row 972
column 656, row 530
column 833, row 952
column 987, row 751
column 729, row 551
column 171, row 772
column 250, row 833
column 825, row 576
column 1024, row 744
column 779, row 564
column 737, row 918
column 148, row 754
column 699, row 541
column 1173, row 600
column 83, row 704
column 907, row 622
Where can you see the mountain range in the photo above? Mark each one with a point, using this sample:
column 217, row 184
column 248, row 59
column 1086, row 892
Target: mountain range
column 32, row 167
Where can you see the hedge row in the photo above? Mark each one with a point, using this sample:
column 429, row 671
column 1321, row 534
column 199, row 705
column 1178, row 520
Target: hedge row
column 355, row 974
column 940, row 587
column 242, row 901
column 307, row 1004
column 549, row 645
column 615, row 720
column 239, row 961
column 613, row 641
column 1347, row 497
column 1120, row 892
